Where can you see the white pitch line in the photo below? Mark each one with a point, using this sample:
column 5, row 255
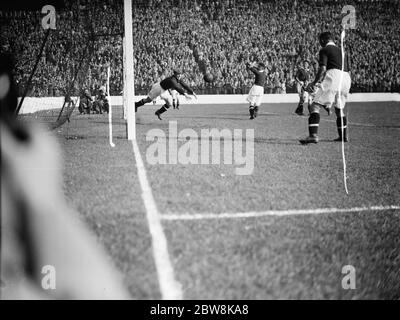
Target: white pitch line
column 353, row 123
column 278, row 213
column 169, row 287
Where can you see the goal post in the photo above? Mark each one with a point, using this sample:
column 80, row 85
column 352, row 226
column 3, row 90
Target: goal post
column 124, row 106
column 129, row 83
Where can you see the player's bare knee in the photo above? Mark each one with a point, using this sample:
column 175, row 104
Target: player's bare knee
column 314, row 108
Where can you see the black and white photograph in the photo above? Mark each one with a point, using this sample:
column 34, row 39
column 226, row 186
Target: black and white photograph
column 218, row 151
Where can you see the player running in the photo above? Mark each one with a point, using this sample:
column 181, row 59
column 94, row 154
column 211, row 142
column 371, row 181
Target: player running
column 302, row 79
column 329, row 93
column 175, row 98
column 162, row 89
column 257, row 90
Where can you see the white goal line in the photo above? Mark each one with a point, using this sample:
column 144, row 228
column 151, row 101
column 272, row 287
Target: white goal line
column 277, row 213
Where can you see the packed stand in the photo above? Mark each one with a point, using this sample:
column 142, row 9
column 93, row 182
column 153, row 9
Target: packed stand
column 202, row 35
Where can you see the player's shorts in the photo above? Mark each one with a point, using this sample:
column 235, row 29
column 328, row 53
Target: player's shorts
column 255, row 95
column 328, row 93
column 157, row 91
column 304, row 95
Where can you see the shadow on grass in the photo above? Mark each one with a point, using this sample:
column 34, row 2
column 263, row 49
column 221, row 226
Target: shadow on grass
column 277, row 141
column 282, row 141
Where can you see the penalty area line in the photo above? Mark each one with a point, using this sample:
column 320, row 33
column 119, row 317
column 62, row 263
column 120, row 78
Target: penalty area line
column 169, row 287
column 354, row 123
column 276, row 213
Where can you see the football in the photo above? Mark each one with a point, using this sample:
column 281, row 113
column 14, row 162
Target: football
column 208, row 77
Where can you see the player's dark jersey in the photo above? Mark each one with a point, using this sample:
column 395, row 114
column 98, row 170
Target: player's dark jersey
column 331, row 57
column 260, row 76
column 173, row 83
column 303, row 74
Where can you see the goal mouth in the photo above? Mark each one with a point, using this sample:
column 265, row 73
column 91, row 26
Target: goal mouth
column 50, row 112
column 56, row 54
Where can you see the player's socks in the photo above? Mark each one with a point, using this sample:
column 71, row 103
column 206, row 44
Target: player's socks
column 255, row 111
column 339, row 129
column 313, row 124
column 251, row 110
column 161, row 111
column 175, row 103
column 140, row 103
column 299, row 109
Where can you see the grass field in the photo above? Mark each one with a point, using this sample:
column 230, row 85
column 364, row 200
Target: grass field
column 247, row 241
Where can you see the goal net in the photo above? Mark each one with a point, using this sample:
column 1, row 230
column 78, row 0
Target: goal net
column 56, row 49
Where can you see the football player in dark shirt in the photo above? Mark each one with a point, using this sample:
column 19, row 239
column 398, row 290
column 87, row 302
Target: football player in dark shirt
column 257, row 90
column 85, row 102
column 101, row 103
column 162, row 89
column 302, row 78
column 329, row 93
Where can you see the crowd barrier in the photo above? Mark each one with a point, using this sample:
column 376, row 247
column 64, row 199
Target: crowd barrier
column 33, row 104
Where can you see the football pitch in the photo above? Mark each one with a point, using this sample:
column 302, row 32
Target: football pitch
column 283, row 232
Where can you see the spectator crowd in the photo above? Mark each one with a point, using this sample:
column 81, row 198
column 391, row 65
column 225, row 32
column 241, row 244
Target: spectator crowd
column 203, row 35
